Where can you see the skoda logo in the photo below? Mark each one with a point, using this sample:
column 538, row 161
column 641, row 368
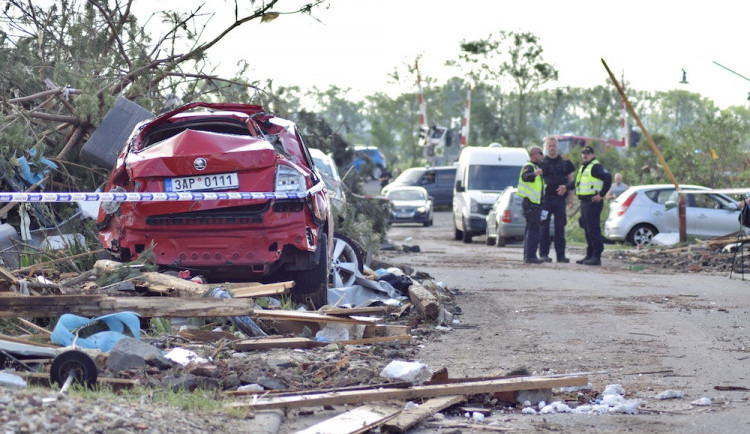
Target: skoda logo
column 199, row 163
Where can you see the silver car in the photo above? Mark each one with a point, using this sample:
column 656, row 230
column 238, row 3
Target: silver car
column 641, row 212
column 505, row 220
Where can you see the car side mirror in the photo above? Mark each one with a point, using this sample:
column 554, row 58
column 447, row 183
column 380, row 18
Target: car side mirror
column 459, row 187
column 670, row 204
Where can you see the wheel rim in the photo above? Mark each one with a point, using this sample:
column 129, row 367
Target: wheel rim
column 344, row 264
column 643, row 236
column 376, row 172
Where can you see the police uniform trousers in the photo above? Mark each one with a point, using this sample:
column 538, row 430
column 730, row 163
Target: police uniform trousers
column 591, row 213
column 533, row 214
column 554, row 205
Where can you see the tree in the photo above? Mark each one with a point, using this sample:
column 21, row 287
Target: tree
column 64, row 65
column 514, row 59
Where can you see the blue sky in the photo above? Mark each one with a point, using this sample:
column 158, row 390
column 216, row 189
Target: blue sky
column 356, row 43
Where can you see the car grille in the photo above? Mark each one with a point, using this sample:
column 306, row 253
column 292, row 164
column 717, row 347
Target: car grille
column 220, row 216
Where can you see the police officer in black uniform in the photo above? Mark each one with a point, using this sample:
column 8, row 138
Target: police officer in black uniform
column 591, row 184
column 558, row 181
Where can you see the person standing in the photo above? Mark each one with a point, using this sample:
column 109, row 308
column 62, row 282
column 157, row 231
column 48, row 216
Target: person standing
column 592, row 182
column 558, row 181
column 617, row 187
column 530, row 186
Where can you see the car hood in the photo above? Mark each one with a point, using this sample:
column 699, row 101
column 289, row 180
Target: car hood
column 176, row 155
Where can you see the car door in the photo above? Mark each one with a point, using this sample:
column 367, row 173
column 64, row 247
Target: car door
column 445, row 182
column 665, row 220
column 711, row 215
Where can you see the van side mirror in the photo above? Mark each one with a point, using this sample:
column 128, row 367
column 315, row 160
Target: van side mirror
column 670, row 204
column 459, row 187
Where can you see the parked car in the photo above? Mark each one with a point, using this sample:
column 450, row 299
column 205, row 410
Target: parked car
column 641, row 212
column 346, row 258
column 438, row 181
column 283, row 231
column 369, row 157
column 330, row 174
column 410, row 205
column 506, row 221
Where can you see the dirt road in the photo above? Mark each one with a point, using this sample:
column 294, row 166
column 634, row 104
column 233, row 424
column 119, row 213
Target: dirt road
column 650, row 332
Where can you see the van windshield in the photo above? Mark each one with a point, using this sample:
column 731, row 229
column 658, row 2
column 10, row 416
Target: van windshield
column 492, row 178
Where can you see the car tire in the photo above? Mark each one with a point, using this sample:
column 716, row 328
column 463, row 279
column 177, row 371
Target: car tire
column 312, row 284
column 457, row 234
column 642, row 234
column 500, row 241
column 466, row 234
column 346, row 261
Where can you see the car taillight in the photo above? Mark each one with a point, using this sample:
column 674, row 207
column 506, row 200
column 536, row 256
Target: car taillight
column 624, row 207
column 506, row 216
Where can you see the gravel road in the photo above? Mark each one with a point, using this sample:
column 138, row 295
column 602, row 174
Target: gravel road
column 649, row 331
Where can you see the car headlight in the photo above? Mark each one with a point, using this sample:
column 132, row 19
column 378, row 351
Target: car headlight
column 474, row 206
column 421, row 209
column 289, row 180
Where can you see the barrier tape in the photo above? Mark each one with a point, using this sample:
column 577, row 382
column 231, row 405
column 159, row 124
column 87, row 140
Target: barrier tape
column 151, row 197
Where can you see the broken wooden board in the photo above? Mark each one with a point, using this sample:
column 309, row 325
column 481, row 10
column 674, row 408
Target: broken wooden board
column 251, row 290
column 7, row 275
column 284, row 342
column 41, row 379
column 96, row 305
column 358, row 420
column 310, row 317
column 275, row 342
column 366, row 311
column 412, row 416
column 467, row 388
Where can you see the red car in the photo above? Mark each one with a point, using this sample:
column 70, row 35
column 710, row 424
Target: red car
column 283, row 230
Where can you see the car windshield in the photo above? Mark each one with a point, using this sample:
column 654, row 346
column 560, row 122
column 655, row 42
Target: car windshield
column 492, row 178
column 409, row 177
column 406, row 195
column 324, row 167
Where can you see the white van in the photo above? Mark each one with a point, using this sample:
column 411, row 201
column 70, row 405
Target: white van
column 483, row 172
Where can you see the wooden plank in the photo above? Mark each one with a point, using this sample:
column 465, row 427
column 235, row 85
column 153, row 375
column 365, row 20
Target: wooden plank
column 41, row 379
column 7, row 275
column 370, row 310
column 375, row 340
column 310, row 317
column 96, row 305
column 358, row 420
column 260, row 290
column 287, row 392
column 468, row 388
column 275, row 342
column 409, row 418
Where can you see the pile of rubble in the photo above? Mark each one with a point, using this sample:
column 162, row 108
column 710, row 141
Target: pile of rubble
column 166, row 332
column 720, row 255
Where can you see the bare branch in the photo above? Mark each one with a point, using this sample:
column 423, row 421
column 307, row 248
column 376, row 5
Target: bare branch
column 115, row 29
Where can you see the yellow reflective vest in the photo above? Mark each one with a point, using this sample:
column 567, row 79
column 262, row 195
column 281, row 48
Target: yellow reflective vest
column 587, row 185
column 530, row 190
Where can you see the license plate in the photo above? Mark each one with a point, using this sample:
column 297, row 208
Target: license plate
column 218, row 181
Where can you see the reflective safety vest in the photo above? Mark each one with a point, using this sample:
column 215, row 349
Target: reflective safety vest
column 530, row 190
column 587, row 185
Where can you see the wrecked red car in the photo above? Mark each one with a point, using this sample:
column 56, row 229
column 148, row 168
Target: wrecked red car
column 284, row 231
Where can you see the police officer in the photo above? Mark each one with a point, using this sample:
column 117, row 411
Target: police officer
column 591, row 184
column 558, row 181
column 530, row 186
